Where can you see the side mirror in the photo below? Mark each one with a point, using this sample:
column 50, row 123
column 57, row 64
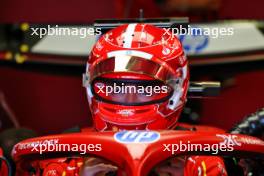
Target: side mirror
column 204, row 89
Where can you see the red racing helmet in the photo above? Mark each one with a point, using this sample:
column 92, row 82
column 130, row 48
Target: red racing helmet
column 136, row 78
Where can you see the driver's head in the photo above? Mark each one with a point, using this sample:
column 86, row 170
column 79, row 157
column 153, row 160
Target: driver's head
column 136, row 78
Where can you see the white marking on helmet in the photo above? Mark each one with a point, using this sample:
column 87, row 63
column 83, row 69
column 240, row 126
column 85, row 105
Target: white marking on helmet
column 130, row 53
column 128, row 38
column 175, row 99
column 184, row 72
column 89, row 94
column 121, row 62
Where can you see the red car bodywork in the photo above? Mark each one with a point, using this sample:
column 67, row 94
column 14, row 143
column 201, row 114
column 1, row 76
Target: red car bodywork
column 134, row 158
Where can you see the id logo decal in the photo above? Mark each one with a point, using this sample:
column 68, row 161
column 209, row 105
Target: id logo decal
column 137, row 136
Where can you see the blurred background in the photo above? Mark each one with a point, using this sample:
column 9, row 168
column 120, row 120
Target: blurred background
column 44, row 92
column 83, row 11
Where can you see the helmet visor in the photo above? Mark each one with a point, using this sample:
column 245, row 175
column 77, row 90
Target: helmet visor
column 130, row 92
column 135, row 65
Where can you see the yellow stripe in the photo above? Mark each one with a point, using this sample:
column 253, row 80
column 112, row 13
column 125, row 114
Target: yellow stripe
column 204, row 168
column 64, row 173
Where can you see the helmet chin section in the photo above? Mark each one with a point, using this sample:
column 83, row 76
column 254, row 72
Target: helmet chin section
column 126, row 115
column 114, row 127
column 116, row 118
